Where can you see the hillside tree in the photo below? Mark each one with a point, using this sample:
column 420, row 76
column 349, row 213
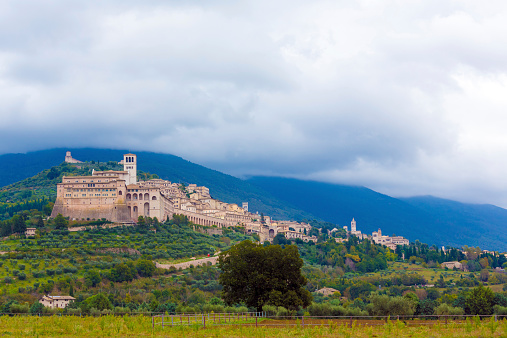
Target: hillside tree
column 263, row 275
column 60, row 222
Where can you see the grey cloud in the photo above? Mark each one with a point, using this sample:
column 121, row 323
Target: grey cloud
column 351, row 92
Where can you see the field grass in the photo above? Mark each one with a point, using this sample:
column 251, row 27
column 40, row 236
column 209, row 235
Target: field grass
column 430, row 274
column 110, row 326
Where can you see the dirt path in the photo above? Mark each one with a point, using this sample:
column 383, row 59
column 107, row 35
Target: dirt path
column 186, row 265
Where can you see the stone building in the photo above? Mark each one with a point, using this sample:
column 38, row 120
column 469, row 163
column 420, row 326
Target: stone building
column 56, row 301
column 452, row 265
column 327, row 291
column 30, row 232
column 70, row 159
column 118, row 197
column 390, row 242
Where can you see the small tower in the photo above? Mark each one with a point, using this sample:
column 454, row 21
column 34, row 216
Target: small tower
column 353, row 226
column 245, row 206
column 130, row 165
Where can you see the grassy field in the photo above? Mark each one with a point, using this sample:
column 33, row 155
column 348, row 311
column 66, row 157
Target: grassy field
column 110, row 326
column 430, row 274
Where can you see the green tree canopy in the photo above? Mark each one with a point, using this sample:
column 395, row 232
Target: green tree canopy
column 123, row 272
column 60, row 222
column 263, row 275
column 92, row 278
column 145, row 267
column 480, row 301
column 19, row 224
column 99, row 302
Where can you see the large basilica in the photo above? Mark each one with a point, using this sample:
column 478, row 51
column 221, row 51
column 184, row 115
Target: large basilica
column 118, row 197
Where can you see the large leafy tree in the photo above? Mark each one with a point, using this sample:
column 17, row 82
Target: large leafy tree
column 99, row 302
column 60, row 222
column 19, row 224
column 480, row 301
column 263, row 275
column 145, row 268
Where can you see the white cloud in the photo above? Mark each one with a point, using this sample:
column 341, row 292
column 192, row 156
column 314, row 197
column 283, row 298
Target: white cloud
column 403, row 97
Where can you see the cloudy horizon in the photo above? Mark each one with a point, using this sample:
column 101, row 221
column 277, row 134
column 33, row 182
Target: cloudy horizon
column 404, row 98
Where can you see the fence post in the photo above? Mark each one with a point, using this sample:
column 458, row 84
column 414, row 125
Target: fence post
column 203, row 321
column 445, row 320
column 496, row 319
column 153, row 323
column 172, row 320
column 303, row 321
column 255, row 321
column 162, row 320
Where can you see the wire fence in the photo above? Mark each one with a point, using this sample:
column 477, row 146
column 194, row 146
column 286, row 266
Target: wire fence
column 210, row 318
column 80, row 314
column 262, row 319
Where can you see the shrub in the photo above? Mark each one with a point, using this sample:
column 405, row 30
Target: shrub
column 8, row 280
column 447, row 310
column 213, row 308
column 99, row 302
column 22, row 276
column 270, row 310
column 282, row 312
column 500, row 310
column 383, row 305
column 74, row 311
column 36, row 308
column 21, row 267
column 18, row 308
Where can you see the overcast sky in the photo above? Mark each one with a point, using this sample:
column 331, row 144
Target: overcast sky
column 404, row 97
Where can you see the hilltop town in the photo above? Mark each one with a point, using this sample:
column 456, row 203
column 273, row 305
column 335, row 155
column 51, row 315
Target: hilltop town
column 118, row 196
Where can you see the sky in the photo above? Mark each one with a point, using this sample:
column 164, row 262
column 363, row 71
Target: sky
column 404, row 97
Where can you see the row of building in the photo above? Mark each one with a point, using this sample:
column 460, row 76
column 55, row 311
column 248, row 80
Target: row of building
column 117, row 196
column 389, row 241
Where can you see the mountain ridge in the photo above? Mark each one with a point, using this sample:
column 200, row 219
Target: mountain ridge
column 430, row 219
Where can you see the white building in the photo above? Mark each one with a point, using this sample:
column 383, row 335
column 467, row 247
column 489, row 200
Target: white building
column 390, row 242
column 60, row 302
column 30, row 232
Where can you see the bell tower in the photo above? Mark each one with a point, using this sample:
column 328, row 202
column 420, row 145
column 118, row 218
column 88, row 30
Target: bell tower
column 130, row 165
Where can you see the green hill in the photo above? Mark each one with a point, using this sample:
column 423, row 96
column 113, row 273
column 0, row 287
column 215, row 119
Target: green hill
column 223, row 187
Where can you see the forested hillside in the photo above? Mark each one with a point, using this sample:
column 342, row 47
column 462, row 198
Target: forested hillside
column 431, row 220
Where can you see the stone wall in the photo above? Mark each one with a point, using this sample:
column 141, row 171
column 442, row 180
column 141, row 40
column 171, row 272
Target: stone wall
column 111, row 212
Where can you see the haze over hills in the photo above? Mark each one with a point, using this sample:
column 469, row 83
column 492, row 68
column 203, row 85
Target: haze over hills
column 429, row 219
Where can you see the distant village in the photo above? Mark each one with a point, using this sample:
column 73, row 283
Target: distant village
column 118, row 197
